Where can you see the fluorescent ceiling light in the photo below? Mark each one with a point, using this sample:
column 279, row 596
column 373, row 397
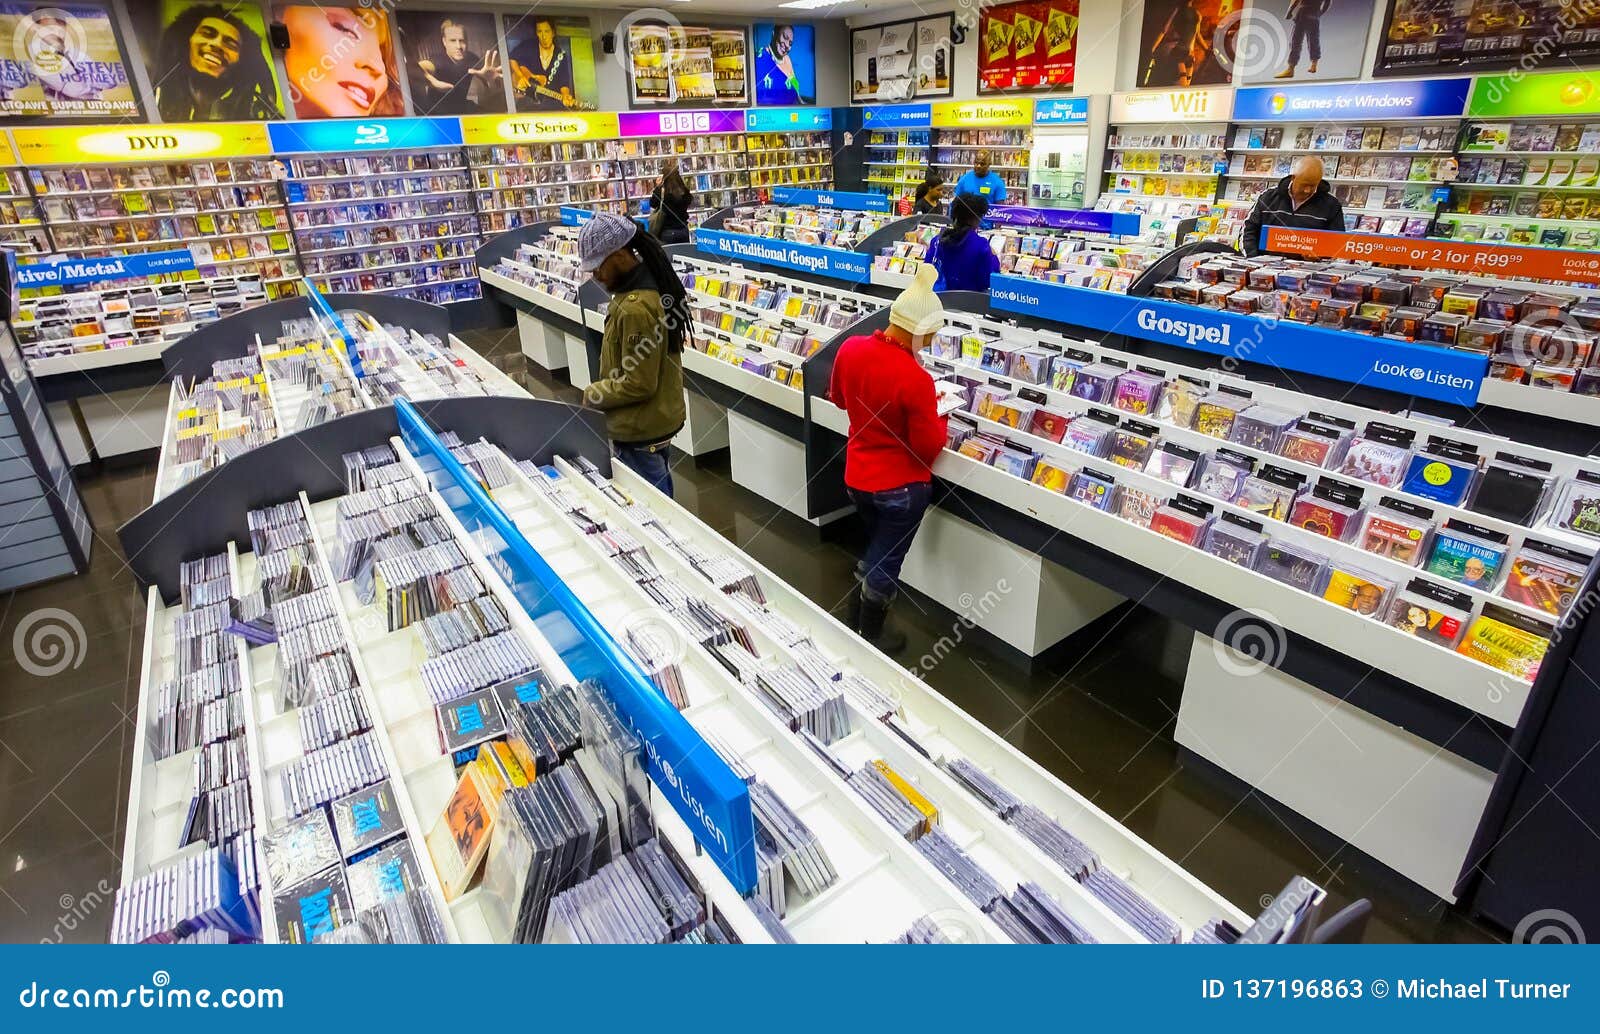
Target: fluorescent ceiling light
column 811, row 5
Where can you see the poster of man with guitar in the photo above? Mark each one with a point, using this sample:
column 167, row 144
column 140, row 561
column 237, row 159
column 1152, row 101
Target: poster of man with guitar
column 542, row 71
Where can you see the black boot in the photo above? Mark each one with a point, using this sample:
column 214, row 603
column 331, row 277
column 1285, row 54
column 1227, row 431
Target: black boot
column 875, row 630
column 852, row 607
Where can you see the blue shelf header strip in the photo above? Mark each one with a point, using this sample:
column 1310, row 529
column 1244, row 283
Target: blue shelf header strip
column 897, row 116
column 851, row 266
column 787, row 120
column 1421, row 98
column 1086, row 219
column 372, row 134
column 61, row 272
column 1425, row 371
column 844, row 199
column 702, row 789
column 1061, row 111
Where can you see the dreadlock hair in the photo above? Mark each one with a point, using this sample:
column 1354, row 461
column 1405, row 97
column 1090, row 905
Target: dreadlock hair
column 966, row 212
column 674, row 299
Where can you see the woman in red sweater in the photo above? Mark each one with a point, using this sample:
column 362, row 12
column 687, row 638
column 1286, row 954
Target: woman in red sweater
column 896, row 433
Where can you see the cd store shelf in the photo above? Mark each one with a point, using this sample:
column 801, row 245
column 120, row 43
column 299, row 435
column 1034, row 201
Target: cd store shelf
column 222, row 405
column 943, row 732
column 883, row 884
column 803, row 159
column 21, row 229
column 1400, row 678
column 897, row 160
column 1387, row 148
column 1164, row 153
column 712, row 165
column 520, row 184
column 429, row 775
column 1529, row 167
column 228, row 212
column 405, row 221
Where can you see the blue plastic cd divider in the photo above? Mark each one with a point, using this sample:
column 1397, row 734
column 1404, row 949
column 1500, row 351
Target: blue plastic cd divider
column 696, row 781
column 320, row 307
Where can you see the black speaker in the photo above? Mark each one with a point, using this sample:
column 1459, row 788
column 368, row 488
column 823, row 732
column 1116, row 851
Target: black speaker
column 278, row 33
column 608, row 42
column 958, row 34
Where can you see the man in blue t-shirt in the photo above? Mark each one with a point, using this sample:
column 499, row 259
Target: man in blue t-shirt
column 980, row 181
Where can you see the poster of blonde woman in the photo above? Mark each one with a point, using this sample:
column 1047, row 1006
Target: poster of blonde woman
column 340, row 62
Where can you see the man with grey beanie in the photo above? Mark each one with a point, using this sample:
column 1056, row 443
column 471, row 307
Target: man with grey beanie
column 640, row 379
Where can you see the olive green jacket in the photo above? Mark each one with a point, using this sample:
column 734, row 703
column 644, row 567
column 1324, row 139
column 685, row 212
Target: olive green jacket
column 639, row 384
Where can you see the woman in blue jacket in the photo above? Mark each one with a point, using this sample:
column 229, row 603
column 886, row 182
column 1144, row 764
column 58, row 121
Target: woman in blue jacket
column 960, row 253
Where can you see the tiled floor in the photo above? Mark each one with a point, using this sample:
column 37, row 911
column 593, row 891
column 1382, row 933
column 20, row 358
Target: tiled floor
column 1102, row 721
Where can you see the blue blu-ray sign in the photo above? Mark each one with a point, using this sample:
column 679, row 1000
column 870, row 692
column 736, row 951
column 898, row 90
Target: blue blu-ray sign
column 787, row 120
column 808, row 258
column 1085, row 219
column 845, row 199
column 897, row 116
column 62, row 272
column 1061, row 111
column 575, row 216
column 1425, row 371
column 372, row 134
column 1421, row 98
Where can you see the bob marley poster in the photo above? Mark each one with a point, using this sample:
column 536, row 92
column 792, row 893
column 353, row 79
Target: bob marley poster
column 208, row 61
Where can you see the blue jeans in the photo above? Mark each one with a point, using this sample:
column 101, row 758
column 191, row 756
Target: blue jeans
column 892, row 517
column 649, row 462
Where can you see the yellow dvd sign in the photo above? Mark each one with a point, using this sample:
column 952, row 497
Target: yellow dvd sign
column 540, row 128
column 140, row 143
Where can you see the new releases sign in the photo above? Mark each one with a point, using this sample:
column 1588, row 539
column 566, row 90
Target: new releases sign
column 1424, row 371
column 63, row 272
column 808, row 258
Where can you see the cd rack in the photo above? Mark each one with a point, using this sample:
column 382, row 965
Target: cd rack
column 938, row 727
column 227, row 212
column 405, row 222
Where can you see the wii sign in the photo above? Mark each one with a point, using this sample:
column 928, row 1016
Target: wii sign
column 1207, row 105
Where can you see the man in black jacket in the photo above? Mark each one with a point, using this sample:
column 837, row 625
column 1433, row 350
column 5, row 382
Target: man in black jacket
column 1300, row 201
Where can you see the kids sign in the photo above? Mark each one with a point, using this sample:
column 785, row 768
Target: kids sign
column 1501, row 260
column 854, row 201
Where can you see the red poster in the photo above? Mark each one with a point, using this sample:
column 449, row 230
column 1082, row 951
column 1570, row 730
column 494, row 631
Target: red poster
column 1506, row 260
column 1027, row 43
column 1058, row 42
column 996, row 67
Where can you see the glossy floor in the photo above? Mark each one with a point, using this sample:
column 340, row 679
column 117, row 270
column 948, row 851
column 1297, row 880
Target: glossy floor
column 1101, row 719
